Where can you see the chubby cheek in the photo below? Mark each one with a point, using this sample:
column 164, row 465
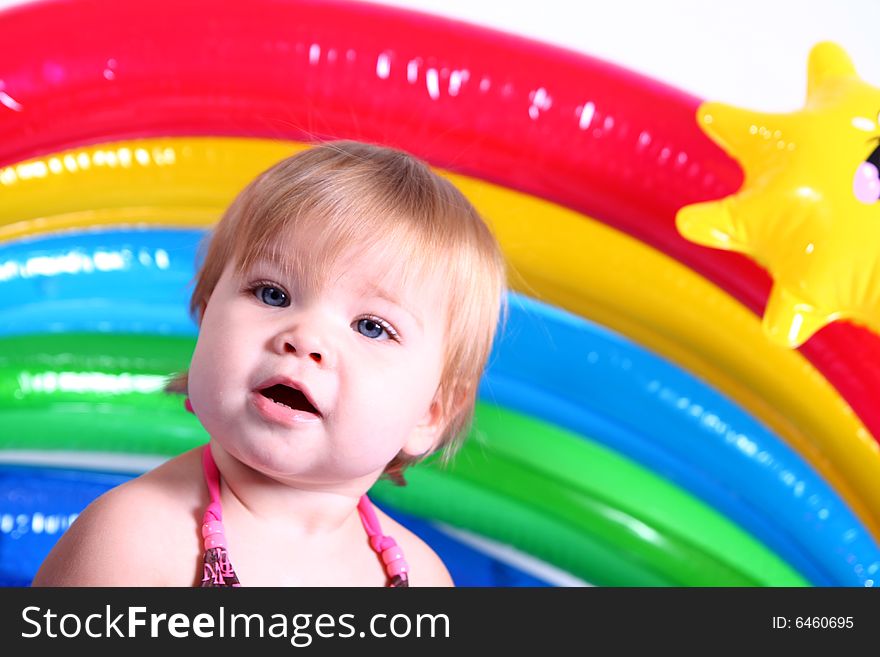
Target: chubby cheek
column 202, row 381
column 384, row 413
column 214, row 370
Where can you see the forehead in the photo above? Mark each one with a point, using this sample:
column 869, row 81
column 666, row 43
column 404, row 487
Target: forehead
column 385, row 269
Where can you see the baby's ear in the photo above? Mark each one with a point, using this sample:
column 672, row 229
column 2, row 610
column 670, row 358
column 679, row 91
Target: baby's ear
column 428, row 431
column 427, row 434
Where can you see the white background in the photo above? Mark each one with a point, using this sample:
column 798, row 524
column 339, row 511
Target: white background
column 750, row 53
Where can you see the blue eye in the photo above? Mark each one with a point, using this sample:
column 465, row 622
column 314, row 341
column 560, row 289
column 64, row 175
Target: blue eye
column 272, row 296
column 373, row 328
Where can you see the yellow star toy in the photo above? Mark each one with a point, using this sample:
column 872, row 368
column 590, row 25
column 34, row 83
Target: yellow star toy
column 808, row 209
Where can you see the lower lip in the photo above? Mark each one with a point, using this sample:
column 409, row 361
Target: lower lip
column 280, row 413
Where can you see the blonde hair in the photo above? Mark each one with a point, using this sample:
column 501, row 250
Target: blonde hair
column 377, row 199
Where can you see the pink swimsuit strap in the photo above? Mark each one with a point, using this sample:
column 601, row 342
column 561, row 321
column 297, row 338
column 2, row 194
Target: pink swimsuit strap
column 218, row 569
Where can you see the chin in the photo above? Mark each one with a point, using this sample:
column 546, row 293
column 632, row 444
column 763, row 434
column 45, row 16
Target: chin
column 274, row 459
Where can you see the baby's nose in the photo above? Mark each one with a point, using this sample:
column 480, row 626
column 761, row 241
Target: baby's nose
column 315, row 355
column 300, row 343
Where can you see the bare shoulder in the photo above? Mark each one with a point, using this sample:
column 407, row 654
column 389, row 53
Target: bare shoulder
column 426, row 568
column 138, row 534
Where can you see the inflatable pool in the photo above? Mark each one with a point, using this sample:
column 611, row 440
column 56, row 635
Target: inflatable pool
column 635, row 426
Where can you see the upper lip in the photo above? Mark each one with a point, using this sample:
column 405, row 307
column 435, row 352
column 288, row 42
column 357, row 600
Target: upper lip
column 280, row 379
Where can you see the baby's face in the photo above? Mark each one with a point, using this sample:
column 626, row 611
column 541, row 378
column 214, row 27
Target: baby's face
column 367, row 367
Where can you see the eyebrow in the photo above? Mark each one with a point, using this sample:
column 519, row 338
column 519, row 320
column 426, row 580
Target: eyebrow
column 273, row 260
column 379, row 293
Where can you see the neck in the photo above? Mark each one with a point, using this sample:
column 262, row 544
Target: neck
column 302, row 510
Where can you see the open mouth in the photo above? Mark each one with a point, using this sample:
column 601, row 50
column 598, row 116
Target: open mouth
column 289, row 397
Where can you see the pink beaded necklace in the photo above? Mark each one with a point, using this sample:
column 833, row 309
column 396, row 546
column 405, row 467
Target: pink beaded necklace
column 218, row 571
